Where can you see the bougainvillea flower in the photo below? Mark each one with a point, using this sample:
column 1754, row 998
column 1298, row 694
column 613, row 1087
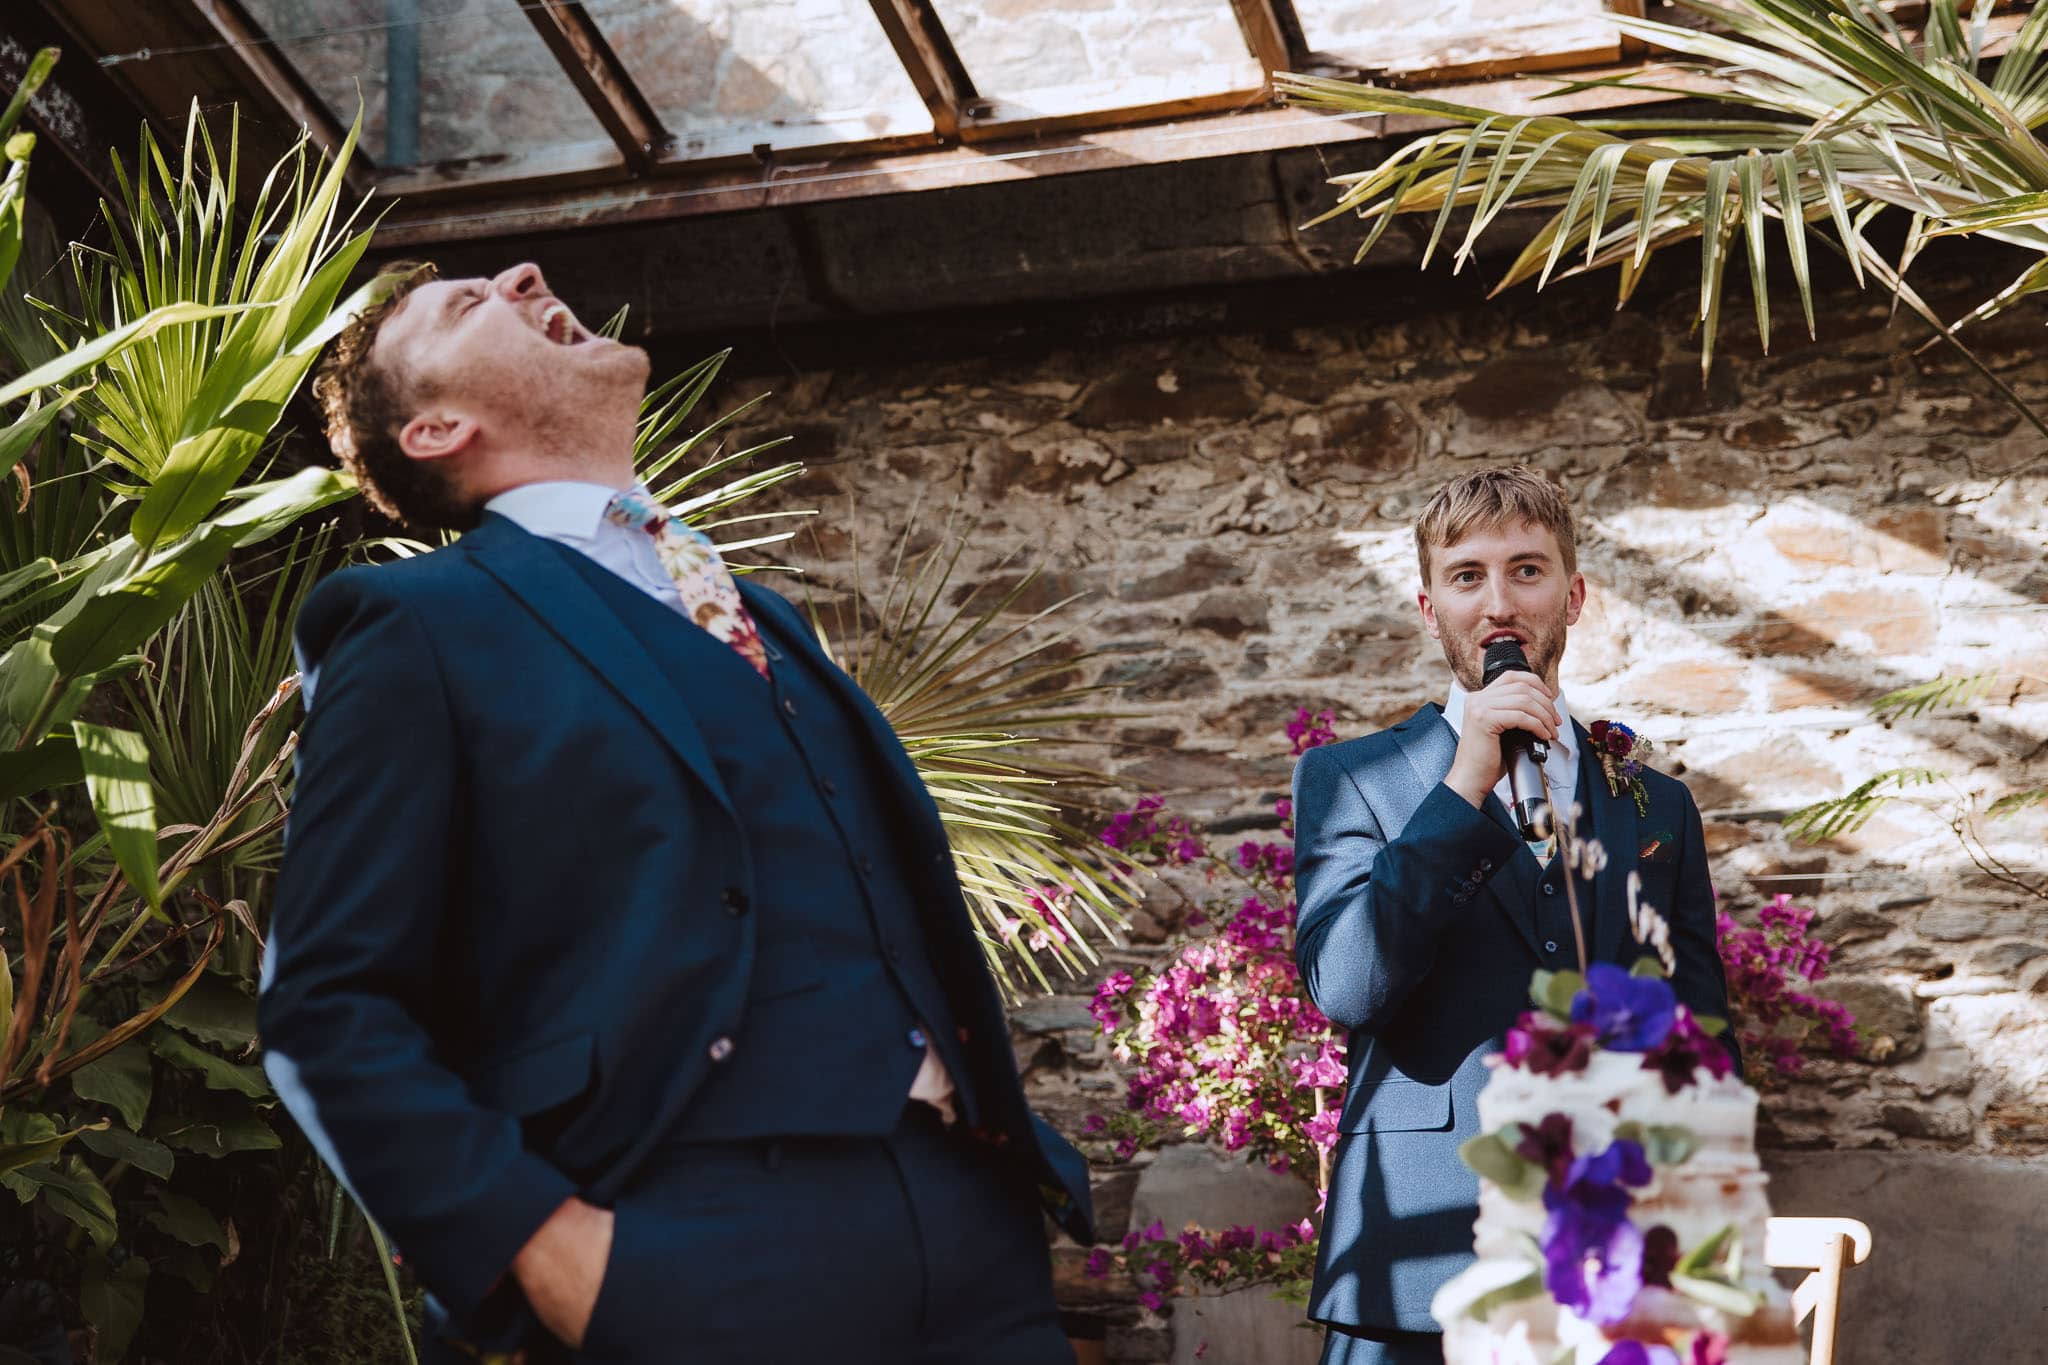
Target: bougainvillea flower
column 1593, row 1255
column 1540, row 1044
column 1708, row 1348
column 1628, row 1013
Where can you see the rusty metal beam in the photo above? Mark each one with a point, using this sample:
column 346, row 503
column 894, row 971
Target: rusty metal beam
column 934, row 67
column 602, row 80
column 250, row 51
column 1263, row 34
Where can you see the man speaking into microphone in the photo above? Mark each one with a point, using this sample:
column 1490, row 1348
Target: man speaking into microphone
column 1426, row 905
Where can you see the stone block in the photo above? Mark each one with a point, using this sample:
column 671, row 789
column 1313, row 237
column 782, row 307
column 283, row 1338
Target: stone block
column 1204, row 569
column 1888, row 1023
column 1191, row 1184
column 1956, row 1247
column 1243, row 1327
column 1692, row 687
column 1231, row 614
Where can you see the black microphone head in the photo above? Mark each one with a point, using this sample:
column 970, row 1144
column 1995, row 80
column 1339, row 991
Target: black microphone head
column 1504, row 656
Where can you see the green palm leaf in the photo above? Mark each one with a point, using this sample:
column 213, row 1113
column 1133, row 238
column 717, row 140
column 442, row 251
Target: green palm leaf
column 1843, row 118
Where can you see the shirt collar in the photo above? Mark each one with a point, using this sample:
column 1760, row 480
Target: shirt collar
column 1566, row 747
column 555, row 508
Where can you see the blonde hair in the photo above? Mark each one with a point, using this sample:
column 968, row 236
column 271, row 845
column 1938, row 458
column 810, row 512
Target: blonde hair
column 1492, row 498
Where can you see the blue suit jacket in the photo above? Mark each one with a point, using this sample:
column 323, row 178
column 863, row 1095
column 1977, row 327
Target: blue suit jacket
column 1417, row 933
column 501, row 949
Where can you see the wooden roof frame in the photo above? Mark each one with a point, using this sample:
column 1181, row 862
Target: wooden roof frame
column 643, row 173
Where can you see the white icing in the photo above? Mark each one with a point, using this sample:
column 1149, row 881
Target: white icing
column 1720, row 1183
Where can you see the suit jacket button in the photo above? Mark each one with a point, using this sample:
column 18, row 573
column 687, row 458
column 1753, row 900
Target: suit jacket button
column 734, row 900
column 720, row 1049
column 1485, row 865
column 915, row 1037
column 789, row 706
column 1549, row 945
column 1550, row 888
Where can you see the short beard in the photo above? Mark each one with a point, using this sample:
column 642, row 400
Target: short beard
column 1545, row 651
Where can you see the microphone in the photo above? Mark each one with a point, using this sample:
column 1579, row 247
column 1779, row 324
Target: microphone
column 1524, row 752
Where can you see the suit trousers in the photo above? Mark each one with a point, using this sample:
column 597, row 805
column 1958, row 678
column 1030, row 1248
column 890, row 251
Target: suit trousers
column 921, row 1248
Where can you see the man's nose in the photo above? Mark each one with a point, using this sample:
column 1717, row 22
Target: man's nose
column 520, row 282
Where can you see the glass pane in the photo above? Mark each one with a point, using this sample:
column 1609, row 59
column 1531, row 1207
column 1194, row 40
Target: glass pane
column 728, row 75
column 1401, row 35
column 486, row 84
column 1065, row 56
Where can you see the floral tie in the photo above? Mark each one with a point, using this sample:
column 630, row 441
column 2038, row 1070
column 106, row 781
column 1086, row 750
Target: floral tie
column 710, row 597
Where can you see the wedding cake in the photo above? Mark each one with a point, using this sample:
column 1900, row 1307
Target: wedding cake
column 1621, row 1207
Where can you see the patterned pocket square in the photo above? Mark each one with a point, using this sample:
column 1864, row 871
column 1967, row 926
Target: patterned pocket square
column 1658, row 848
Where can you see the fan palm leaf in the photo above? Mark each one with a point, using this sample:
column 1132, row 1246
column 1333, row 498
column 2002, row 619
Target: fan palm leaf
column 1844, row 117
column 980, row 700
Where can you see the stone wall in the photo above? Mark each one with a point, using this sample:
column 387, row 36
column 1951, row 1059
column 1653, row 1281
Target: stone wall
column 1767, row 553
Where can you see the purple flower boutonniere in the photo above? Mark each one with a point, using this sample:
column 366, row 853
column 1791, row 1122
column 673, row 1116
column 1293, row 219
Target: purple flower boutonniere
column 1622, row 752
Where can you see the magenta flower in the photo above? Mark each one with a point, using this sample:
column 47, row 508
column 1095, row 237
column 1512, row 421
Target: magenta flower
column 1549, row 1145
column 1684, row 1050
column 1539, row 1044
column 1638, row 1353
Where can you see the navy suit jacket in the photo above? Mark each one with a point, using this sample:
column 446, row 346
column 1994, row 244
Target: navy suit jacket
column 501, row 950
column 1417, row 933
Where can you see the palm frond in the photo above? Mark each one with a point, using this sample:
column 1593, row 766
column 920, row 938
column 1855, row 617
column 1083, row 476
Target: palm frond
column 1846, row 814
column 981, row 708
column 1844, row 118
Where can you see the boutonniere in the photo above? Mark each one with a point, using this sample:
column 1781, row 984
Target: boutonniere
column 1622, row 752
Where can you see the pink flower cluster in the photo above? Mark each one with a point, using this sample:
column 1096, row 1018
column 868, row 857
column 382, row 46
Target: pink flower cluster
column 1235, row 1256
column 1221, row 1042
column 1145, row 835
column 1768, row 969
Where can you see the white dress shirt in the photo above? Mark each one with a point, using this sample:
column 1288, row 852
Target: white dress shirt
column 1560, row 770
column 572, row 513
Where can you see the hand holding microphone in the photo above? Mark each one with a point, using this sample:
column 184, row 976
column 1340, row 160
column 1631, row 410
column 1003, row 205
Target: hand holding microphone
column 1509, row 723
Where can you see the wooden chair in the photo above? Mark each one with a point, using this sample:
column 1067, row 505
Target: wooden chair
column 1822, row 1246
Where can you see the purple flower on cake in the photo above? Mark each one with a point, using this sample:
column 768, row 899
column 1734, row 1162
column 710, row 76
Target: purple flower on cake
column 1628, row 1013
column 1685, row 1049
column 1637, row 1353
column 1593, row 1255
column 1541, row 1045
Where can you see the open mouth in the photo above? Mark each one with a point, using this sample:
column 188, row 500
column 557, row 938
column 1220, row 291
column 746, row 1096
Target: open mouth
column 1503, row 635
column 559, row 325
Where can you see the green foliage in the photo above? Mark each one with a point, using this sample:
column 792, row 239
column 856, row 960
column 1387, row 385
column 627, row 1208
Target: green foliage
column 1939, row 694
column 975, row 700
column 139, row 396
column 1846, row 814
column 1834, row 119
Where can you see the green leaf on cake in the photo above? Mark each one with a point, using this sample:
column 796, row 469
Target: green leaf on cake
column 1528, row 1287
column 1707, row 1252
column 1717, row 1293
column 1713, row 1025
column 1647, row 966
column 1491, row 1158
column 1662, row 1144
column 1554, row 991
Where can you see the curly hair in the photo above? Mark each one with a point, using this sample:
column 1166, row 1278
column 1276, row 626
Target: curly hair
column 1491, row 498
column 366, row 406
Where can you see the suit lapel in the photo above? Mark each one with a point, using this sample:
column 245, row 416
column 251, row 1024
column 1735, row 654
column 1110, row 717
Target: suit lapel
column 795, row 633
column 1429, row 746
column 1614, row 825
column 534, row 572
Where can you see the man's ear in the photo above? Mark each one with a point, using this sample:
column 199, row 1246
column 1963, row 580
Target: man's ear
column 436, row 434
column 1428, row 614
column 1575, row 600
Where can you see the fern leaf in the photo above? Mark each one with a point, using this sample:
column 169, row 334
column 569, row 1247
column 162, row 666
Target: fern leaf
column 1846, row 814
column 2012, row 803
column 1940, row 694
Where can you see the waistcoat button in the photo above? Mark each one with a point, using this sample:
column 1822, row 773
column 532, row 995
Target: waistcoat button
column 720, row 1049
column 734, row 900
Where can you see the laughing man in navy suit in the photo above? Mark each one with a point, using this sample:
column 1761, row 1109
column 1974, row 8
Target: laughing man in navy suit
column 618, row 962
column 1424, row 914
